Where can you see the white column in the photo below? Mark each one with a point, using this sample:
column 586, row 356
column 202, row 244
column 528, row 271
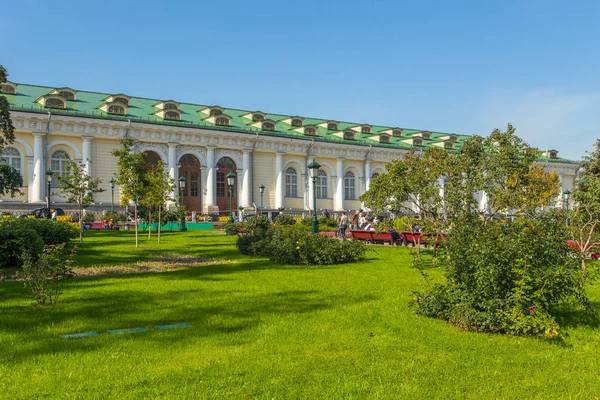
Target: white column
column 246, row 179
column 311, row 190
column 339, row 188
column 367, row 174
column 87, row 154
column 172, row 168
column 279, row 187
column 39, row 180
column 211, row 199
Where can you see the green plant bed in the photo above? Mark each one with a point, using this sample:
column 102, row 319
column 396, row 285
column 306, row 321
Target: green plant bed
column 261, row 330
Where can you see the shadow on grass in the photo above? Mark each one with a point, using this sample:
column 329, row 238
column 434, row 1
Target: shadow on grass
column 569, row 318
column 215, row 313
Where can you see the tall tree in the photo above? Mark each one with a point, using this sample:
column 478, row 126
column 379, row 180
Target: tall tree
column 79, row 188
column 10, row 179
column 130, row 176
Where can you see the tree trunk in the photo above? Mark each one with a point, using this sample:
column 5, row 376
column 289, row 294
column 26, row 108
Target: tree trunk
column 158, row 231
column 136, row 225
column 149, row 222
column 80, row 224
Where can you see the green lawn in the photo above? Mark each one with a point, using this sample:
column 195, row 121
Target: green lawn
column 266, row 331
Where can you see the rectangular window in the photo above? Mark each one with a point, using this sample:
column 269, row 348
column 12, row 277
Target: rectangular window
column 291, row 186
column 220, row 184
column 194, row 184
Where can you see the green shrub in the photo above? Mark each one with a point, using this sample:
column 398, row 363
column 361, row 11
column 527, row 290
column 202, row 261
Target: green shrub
column 89, row 217
column 52, row 232
column 257, row 223
column 284, row 219
column 17, row 241
column 231, row 228
column 45, row 274
column 507, row 277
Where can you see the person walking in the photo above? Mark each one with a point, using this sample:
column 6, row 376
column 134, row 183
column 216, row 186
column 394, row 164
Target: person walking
column 343, row 225
column 354, row 219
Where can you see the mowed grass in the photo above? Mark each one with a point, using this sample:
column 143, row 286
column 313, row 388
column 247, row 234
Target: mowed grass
column 260, row 330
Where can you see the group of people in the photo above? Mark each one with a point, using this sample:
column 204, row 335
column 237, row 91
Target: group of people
column 359, row 220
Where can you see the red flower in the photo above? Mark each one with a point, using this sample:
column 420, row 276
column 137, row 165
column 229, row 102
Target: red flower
column 531, row 309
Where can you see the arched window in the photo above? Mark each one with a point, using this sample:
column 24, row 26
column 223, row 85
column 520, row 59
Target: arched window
column 296, row 122
column 426, row 135
column 349, row 186
column 384, row 139
column 332, row 126
column 310, row 131
column 58, row 164
column 170, row 106
column 397, row 132
column 258, row 117
column 121, row 100
column 291, row 182
column 349, row 135
column 417, row 142
column 222, row 121
column 268, row 126
column 453, row 138
column 365, row 129
column 448, row 144
column 553, row 154
column 11, row 156
column 322, row 192
column 8, row 89
column 66, row 95
column 55, row 103
column 116, row 110
column 215, row 112
column 172, row 115
column 152, row 159
column 375, row 175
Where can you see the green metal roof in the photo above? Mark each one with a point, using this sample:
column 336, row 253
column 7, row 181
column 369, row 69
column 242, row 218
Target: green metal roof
column 143, row 110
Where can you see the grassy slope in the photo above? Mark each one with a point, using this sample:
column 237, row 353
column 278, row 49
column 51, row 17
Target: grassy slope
column 269, row 331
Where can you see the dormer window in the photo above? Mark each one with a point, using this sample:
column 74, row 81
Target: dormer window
column 8, row 88
column 332, row 126
column 349, row 135
column 55, row 103
column 116, row 109
column 365, row 129
column 268, row 126
column 170, row 106
column 257, row 117
column 216, row 112
column 296, row 122
column 426, row 135
column 397, row 132
column 417, row 142
column 224, row 121
column 553, row 154
column 172, row 114
column 66, row 95
column 453, row 138
column 122, row 100
column 384, row 139
column 309, row 130
column 448, row 145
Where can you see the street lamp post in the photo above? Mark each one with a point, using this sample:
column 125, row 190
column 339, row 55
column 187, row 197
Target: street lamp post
column 314, row 173
column 261, row 189
column 112, row 194
column 230, row 182
column 182, row 227
column 567, row 194
column 49, row 176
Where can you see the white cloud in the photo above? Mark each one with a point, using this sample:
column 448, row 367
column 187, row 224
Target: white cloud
column 546, row 119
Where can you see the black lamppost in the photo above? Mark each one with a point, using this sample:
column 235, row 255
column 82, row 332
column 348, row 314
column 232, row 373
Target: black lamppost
column 49, row 176
column 112, row 194
column 230, row 182
column 314, row 173
column 261, row 189
column 182, row 227
column 567, row 194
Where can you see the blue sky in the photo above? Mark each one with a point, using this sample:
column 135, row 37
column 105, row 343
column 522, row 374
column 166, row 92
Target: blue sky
column 462, row 66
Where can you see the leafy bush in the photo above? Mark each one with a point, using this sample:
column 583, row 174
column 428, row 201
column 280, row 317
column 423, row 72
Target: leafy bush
column 257, row 223
column 89, row 217
column 45, row 274
column 51, row 232
column 284, row 219
column 231, row 228
column 507, row 277
column 18, row 241
column 325, row 224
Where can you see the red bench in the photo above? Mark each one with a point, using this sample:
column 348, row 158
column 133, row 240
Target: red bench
column 362, row 235
column 373, row 237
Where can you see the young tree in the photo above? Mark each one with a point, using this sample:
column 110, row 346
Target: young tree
column 79, row 188
column 10, row 179
column 130, row 176
column 158, row 190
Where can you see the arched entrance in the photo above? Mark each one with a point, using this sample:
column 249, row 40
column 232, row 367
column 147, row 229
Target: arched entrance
column 225, row 166
column 152, row 159
column 189, row 167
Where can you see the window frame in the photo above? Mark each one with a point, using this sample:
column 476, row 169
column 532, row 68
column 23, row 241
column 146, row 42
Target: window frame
column 291, row 182
column 349, row 190
column 322, row 185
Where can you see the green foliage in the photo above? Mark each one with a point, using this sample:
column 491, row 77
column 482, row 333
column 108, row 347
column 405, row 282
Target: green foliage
column 89, row 217
column 17, row 241
column 51, row 232
column 507, row 277
column 284, row 219
column 10, row 179
column 45, row 274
